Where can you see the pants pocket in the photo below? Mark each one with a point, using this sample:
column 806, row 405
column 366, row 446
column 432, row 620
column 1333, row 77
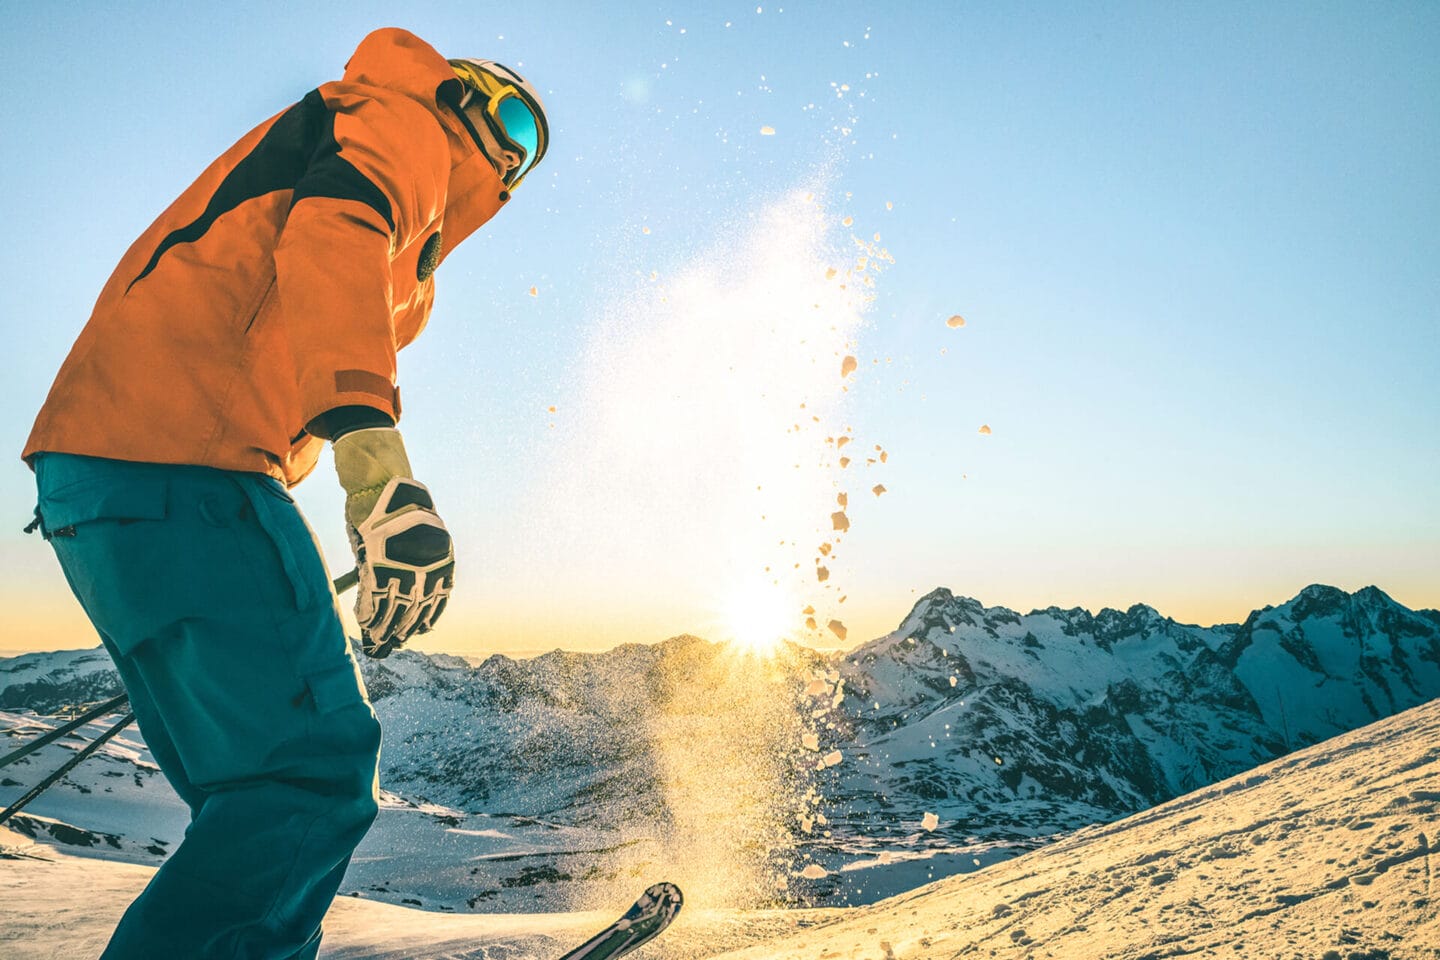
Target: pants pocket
column 336, row 687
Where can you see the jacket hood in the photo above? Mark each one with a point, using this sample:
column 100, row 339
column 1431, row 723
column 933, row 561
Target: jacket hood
column 397, row 60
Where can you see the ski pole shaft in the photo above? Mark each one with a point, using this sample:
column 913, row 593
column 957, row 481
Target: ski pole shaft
column 346, row 580
column 84, row 718
column 69, row 765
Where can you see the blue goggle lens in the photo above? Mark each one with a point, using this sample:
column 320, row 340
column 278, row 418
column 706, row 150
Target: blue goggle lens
column 520, row 127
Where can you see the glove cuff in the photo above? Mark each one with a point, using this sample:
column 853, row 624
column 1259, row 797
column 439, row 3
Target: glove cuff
column 365, row 461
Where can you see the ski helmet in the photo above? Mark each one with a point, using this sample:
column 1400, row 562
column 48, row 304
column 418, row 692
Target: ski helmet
column 513, row 111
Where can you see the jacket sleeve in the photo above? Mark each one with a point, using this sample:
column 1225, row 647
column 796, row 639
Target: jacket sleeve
column 367, row 192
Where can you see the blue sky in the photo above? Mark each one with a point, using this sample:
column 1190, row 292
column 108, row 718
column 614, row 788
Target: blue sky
column 1196, row 248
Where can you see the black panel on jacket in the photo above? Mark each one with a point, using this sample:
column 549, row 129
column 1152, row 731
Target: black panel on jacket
column 299, row 152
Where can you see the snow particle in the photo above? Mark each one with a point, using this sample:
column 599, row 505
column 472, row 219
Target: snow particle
column 767, row 131
column 985, row 430
column 930, row 822
column 878, row 489
column 534, row 292
column 839, row 520
column 955, row 322
column 810, row 742
column 832, row 758
column 848, row 366
column 814, row 872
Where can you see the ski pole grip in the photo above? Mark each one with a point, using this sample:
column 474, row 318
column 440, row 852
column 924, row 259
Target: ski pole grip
column 346, row 580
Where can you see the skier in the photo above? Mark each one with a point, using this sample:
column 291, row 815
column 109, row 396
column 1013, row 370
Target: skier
column 257, row 318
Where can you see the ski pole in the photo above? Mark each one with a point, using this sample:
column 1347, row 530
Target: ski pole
column 69, row 765
column 346, row 580
column 84, row 718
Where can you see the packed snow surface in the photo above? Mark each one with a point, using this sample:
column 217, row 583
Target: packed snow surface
column 1325, row 853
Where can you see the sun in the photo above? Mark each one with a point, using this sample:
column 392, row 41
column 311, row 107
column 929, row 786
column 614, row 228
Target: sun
column 757, row 617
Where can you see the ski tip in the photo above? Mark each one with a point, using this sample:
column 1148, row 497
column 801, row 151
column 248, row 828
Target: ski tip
column 646, row 918
column 662, row 896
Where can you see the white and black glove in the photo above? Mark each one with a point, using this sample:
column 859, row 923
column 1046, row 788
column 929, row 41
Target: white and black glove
column 403, row 554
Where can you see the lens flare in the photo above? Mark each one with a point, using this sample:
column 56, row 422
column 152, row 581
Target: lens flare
column 757, row 617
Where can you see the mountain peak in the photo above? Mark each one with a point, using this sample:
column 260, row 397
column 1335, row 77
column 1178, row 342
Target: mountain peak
column 938, row 595
column 1372, row 596
column 1322, row 592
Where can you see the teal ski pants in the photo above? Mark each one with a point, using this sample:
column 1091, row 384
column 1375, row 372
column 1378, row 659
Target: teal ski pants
column 209, row 592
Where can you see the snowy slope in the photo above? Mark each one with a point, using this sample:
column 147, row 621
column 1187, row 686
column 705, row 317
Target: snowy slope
column 1326, row 853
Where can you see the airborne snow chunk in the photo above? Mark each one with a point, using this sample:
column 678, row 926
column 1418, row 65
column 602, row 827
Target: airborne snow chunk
column 930, row 822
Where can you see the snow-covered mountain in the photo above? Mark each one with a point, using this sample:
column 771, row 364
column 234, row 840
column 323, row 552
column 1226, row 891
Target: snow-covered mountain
column 1060, row 713
column 1006, row 728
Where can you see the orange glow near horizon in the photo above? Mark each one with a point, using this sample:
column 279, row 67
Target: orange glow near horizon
column 52, row 620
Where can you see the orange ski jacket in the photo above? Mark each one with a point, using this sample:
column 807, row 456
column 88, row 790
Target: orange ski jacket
column 282, row 282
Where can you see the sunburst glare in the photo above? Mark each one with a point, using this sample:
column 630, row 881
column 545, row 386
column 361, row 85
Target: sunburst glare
column 757, row 616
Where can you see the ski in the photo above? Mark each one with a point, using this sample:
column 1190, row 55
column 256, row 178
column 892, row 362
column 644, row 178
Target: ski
column 642, row 923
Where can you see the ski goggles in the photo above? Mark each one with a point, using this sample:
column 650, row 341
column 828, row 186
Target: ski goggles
column 513, row 117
